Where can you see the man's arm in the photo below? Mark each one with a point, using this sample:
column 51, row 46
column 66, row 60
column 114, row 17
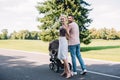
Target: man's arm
column 67, row 31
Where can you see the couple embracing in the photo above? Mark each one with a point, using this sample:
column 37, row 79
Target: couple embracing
column 69, row 39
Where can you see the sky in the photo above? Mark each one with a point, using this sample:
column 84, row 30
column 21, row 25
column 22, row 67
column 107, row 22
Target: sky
column 16, row 15
column 105, row 13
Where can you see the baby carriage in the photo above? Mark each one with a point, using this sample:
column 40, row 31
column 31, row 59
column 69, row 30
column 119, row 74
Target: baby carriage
column 55, row 63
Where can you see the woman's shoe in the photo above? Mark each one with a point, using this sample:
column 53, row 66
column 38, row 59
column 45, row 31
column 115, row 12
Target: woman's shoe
column 63, row 74
column 69, row 75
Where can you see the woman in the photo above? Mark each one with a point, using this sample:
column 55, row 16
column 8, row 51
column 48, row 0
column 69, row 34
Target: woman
column 63, row 47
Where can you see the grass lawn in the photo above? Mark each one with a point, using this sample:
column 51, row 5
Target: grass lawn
column 26, row 45
column 98, row 49
column 102, row 49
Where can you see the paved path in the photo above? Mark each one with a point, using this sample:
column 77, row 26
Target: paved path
column 21, row 65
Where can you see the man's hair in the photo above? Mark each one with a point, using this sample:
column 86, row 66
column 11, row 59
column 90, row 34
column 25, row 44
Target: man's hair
column 71, row 15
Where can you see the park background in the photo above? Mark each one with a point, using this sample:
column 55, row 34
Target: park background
column 18, row 25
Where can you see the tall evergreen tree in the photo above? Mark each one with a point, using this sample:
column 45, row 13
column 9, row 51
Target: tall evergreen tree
column 52, row 9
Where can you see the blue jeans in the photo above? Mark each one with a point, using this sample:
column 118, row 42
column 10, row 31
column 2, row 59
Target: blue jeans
column 75, row 52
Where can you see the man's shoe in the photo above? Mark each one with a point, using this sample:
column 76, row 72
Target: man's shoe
column 83, row 72
column 74, row 73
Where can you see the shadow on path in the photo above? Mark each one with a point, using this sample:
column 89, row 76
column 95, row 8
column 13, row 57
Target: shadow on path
column 83, row 49
column 14, row 68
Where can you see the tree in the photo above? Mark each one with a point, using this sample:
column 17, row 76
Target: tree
column 24, row 34
column 13, row 35
column 52, row 9
column 0, row 36
column 4, row 34
column 104, row 33
column 34, row 35
column 93, row 32
column 118, row 34
column 112, row 34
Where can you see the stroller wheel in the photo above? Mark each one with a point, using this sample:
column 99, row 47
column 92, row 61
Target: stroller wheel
column 70, row 66
column 51, row 65
column 56, row 68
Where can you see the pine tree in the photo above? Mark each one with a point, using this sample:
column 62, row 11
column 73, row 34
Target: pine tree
column 52, row 9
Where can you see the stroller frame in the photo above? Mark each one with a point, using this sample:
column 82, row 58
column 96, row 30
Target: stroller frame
column 55, row 63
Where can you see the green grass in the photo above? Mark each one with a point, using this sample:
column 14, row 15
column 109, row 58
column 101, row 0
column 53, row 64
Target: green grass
column 26, row 45
column 98, row 49
column 102, row 49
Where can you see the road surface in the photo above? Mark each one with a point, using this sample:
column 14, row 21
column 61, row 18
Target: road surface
column 22, row 65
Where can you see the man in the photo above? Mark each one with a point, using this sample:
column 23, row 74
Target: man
column 74, row 45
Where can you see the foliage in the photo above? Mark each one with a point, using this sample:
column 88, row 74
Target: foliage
column 4, row 34
column 25, row 34
column 104, row 33
column 52, row 9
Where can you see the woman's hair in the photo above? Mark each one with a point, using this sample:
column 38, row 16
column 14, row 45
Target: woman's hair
column 62, row 16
